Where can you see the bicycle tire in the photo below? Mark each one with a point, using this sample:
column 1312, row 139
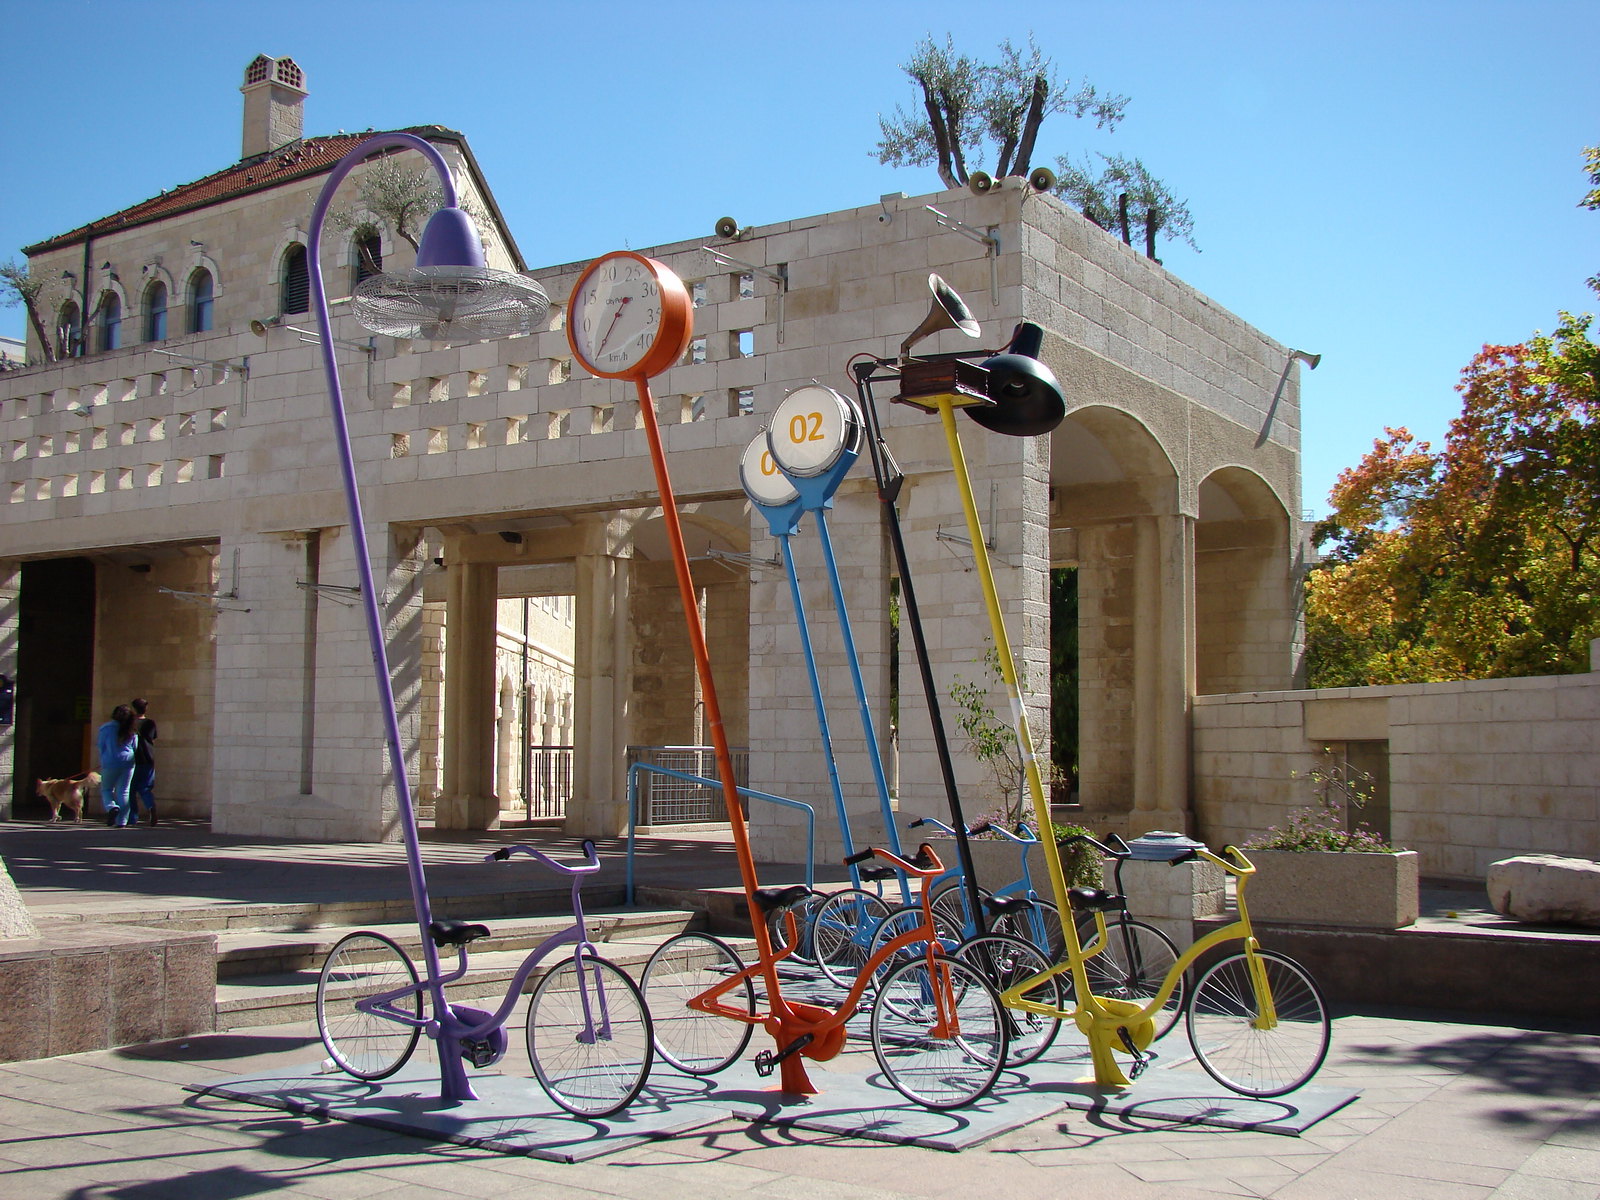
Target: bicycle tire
column 1134, row 965
column 589, row 1037
column 938, row 1072
column 841, row 932
column 950, row 915
column 805, row 912
column 1041, row 927
column 366, row 1045
column 1250, row 1061
column 682, row 967
column 1005, row 962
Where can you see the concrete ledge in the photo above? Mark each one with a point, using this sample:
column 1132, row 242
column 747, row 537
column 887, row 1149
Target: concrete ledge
column 1503, row 973
column 81, row 987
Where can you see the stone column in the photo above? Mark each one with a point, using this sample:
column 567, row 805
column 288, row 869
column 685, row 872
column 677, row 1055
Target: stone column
column 469, row 801
column 10, row 599
column 1163, row 670
column 602, row 654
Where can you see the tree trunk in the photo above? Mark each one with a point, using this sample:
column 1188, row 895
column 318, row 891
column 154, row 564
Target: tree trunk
column 1030, row 127
column 50, row 354
column 941, row 139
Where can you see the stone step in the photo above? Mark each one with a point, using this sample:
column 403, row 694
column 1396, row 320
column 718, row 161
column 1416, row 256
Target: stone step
column 284, row 990
column 269, row 952
column 385, row 910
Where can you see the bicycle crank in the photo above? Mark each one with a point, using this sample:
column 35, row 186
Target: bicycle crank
column 767, row 1062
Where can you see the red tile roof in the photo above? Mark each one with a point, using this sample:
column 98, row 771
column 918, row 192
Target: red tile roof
column 299, row 160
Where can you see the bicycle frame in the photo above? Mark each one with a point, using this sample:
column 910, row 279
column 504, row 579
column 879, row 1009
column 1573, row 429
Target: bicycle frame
column 1023, row 885
column 820, row 1047
column 1103, row 1018
column 576, row 935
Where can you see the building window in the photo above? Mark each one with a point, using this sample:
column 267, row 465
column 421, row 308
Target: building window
column 69, row 331
column 108, row 322
column 296, row 280
column 200, row 301
column 155, row 312
column 368, row 254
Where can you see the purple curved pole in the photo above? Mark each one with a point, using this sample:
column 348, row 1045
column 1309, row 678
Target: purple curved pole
column 453, row 1078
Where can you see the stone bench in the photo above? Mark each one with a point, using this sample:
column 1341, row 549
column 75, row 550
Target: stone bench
column 1546, row 889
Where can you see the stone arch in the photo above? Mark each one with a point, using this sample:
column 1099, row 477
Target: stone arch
column 1244, row 588
column 1116, row 516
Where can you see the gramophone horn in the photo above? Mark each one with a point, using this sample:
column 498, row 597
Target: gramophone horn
column 1027, row 399
column 949, row 311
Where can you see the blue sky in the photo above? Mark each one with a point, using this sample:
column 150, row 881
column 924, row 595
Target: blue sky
column 1390, row 185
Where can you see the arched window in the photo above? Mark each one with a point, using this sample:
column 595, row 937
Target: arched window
column 368, row 254
column 200, row 301
column 108, row 322
column 296, row 280
column 155, row 312
column 69, row 330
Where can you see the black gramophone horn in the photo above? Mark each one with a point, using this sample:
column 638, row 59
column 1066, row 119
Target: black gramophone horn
column 949, row 311
column 1027, row 398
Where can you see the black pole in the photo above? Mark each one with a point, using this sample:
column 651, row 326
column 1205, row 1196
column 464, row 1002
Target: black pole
column 889, row 493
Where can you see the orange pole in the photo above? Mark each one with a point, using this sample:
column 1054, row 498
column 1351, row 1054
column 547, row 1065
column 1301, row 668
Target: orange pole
column 788, row 1025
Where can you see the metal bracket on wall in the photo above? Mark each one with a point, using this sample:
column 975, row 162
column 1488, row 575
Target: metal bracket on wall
column 779, row 277
column 990, row 240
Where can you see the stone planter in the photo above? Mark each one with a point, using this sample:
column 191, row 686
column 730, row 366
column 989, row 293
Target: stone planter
column 1363, row 890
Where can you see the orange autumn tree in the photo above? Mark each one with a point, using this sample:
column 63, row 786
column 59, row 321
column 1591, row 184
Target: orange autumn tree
column 1480, row 560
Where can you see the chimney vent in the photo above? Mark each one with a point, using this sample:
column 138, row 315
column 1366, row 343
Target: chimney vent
column 274, row 95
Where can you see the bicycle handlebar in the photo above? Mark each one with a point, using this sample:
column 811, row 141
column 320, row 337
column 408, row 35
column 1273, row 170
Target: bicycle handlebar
column 924, row 866
column 591, row 858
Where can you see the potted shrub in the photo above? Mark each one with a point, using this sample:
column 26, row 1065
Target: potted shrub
column 1326, row 868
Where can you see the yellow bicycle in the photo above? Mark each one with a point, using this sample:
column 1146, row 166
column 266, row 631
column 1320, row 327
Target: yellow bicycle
column 1256, row 1020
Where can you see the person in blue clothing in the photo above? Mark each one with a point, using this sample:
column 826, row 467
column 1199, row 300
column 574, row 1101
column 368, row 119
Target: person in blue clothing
column 144, row 763
column 118, row 743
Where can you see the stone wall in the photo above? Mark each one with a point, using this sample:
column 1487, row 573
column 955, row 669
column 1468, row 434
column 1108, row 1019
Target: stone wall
column 1478, row 770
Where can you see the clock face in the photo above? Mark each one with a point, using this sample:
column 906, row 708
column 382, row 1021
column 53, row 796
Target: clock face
column 628, row 318
column 763, row 481
column 811, row 429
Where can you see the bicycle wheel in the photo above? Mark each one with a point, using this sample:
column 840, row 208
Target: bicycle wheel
column 589, row 1037
column 950, row 915
column 683, row 967
column 842, row 932
column 1041, row 927
column 899, row 922
column 804, row 914
column 939, row 1035
column 1134, row 966
column 1243, row 1055
column 1006, row 962
column 360, row 966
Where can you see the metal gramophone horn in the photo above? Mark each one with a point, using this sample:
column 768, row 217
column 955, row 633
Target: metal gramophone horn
column 1026, row 398
column 949, row 311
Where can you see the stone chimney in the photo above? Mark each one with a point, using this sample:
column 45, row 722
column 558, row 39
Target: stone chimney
column 274, row 95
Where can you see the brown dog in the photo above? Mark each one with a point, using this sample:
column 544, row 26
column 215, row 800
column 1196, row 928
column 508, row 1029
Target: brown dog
column 68, row 793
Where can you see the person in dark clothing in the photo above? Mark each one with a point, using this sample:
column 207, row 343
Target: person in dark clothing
column 144, row 764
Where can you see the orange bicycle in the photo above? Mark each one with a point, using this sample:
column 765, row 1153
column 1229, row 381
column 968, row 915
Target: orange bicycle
column 937, row 1028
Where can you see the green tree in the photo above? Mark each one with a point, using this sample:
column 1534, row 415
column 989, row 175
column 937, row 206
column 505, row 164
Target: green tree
column 967, row 105
column 24, row 287
column 1482, row 559
column 968, row 108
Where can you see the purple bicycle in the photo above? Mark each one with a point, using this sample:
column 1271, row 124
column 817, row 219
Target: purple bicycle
column 588, row 1031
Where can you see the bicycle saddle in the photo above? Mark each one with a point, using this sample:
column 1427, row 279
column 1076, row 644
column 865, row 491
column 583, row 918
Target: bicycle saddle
column 999, row 906
column 1088, row 899
column 769, row 898
column 455, row 933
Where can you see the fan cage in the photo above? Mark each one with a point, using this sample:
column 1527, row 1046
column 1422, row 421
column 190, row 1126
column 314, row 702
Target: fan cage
column 450, row 303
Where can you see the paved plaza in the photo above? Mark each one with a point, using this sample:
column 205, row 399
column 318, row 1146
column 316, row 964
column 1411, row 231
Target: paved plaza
column 1447, row 1108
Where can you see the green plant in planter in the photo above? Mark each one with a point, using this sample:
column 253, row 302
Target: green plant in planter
column 1080, row 862
column 1341, row 790
column 992, row 740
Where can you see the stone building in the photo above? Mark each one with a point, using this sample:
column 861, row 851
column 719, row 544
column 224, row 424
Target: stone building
column 173, row 522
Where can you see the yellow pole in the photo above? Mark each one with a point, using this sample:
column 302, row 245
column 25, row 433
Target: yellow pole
column 1105, row 1068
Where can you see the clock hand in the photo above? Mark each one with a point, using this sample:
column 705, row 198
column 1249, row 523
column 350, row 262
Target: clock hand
column 615, row 318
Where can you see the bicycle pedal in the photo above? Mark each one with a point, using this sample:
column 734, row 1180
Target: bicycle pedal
column 767, row 1061
column 766, row 1064
column 1140, row 1059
